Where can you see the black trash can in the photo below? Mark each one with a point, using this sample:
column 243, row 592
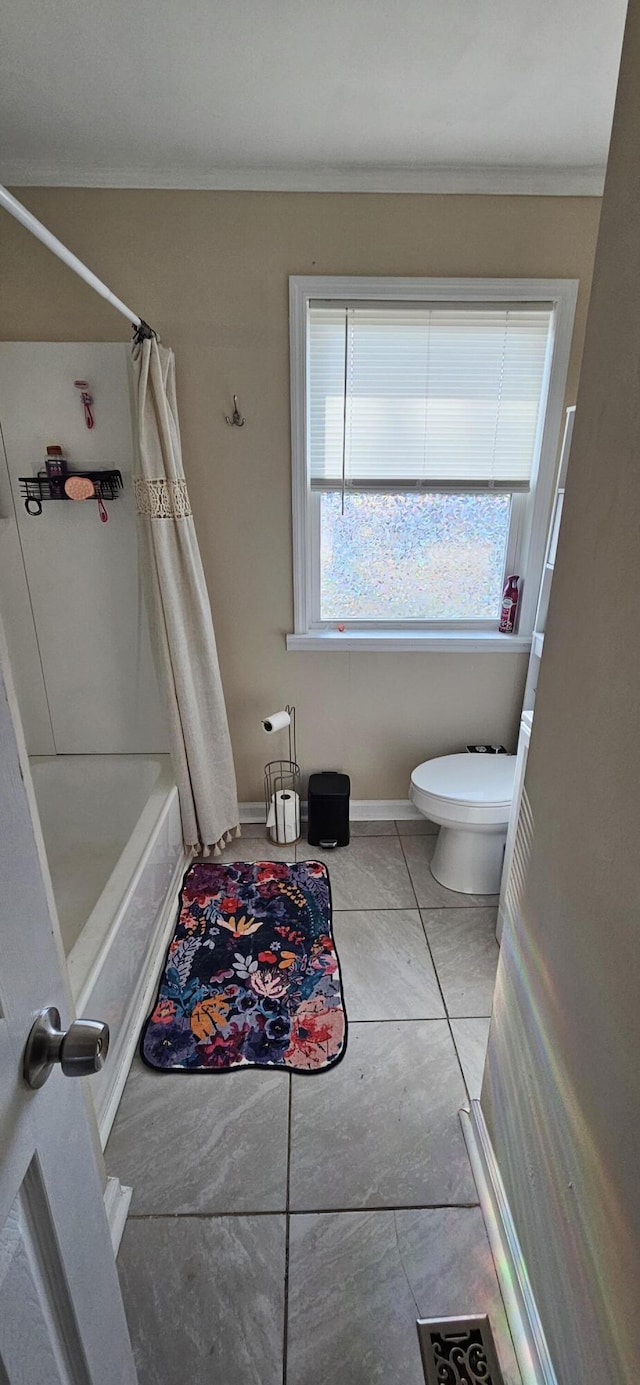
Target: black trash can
column 328, row 808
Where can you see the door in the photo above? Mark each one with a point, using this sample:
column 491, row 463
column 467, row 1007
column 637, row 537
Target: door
column 61, row 1314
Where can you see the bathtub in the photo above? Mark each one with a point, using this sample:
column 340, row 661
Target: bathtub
column 112, row 834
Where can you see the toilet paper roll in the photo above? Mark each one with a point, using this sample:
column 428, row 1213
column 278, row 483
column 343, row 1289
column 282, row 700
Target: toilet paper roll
column 277, row 721
column 283, row 820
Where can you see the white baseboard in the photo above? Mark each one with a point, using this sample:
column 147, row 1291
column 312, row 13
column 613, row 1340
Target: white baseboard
column 116, row 1205
column 253, row 812
column 158, row 945
column 360, row 810
column 536, row 1367
column 382, row 809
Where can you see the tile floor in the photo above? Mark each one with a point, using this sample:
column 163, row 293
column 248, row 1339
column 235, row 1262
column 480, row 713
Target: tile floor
column 290, row 1230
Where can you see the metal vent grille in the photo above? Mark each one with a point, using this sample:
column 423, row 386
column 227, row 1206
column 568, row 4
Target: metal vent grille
column 521, row 858
column 458, row 1351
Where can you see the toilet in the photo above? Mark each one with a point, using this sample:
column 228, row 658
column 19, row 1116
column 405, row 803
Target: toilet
column 470, row 797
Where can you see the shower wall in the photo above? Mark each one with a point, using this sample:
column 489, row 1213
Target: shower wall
column 69, row 592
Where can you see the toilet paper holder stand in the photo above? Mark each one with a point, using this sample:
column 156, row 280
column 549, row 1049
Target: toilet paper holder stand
column 282, row 778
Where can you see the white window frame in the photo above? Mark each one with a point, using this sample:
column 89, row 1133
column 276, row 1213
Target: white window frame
column 530, row 513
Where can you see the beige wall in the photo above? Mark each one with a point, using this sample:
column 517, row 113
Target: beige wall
column 209, row 271
column 562, row 1090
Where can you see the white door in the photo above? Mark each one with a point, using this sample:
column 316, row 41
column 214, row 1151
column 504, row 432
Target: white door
column 61, row 1314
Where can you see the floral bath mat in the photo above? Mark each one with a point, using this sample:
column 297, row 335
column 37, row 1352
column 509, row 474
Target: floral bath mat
column 252, row 976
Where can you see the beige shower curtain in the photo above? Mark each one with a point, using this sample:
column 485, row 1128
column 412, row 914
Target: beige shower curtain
column 179, row 611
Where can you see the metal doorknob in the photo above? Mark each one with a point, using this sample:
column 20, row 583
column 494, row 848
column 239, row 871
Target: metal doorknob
column 80, row 1050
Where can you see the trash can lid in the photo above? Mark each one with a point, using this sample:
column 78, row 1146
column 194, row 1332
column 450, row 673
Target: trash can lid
column 330, row 782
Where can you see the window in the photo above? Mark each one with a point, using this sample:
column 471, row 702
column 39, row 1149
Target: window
column 426, row 416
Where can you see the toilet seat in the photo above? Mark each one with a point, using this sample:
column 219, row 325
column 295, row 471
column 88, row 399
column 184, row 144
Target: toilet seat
column 472, row 789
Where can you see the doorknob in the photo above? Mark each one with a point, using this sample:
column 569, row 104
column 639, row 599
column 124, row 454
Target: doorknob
column 80, row 1050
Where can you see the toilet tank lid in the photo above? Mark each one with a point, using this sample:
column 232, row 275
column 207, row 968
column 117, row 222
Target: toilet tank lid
column 468, row 778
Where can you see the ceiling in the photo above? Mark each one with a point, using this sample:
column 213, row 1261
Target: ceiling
column 434, row 95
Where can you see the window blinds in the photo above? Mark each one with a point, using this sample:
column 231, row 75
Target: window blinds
column 405, row 395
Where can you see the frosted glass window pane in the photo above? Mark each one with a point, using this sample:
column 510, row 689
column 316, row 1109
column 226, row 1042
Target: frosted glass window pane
column 413, row 557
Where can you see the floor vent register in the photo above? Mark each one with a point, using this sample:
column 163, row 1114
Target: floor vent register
column 458, row 1351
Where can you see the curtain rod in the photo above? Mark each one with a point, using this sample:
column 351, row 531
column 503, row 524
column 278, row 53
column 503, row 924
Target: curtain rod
column 28, row 220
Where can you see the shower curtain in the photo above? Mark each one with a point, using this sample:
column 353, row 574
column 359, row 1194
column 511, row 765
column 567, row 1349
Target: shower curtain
column 179, row 611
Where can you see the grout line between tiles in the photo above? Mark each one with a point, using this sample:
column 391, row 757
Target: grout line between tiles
column 449, row 1017
column 435, row 969
column 464, row 1077
column 442, row 995
column 287, row 1234
column 409, row 1019
column 469, row 1017
column 431, row 1019
column 420, row 907
column 417, row 836
column 304, row 1211
column 407, row 1207
column 392, row 909
column 406, row 866
column 205, row 1216
column 407, row 908
column 437, row 975
column 417, row 1019
column 437, row 908
column 360, row 836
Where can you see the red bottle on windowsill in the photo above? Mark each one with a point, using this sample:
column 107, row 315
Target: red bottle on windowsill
column 509, row 608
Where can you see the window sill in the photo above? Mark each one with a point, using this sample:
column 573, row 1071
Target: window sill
column 420, row 641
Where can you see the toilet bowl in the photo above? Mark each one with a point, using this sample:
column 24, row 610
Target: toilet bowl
column 469, row 796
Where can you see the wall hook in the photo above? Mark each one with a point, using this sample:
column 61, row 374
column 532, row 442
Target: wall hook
column 236, row 420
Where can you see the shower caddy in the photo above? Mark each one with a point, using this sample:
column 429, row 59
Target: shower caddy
column 35, row 489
